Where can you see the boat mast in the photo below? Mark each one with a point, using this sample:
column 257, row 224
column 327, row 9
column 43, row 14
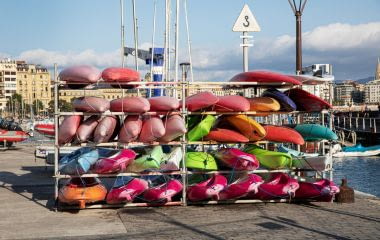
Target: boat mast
column 166, row 77
column 152, row 51
column 135, row 33
column 298, row 10
column 176, row 41
column 188, row 41
column 122, row 31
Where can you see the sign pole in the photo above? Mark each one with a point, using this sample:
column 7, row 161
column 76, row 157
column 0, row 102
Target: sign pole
column 245, row 52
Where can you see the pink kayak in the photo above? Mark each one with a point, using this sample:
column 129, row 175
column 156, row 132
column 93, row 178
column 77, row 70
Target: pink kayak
column 85, row 131
column 119, row 76
column 163, row 192
column 200, row 100
column 207, row 189
column 241, row 187
column 236, row 159
column 163, row 104
column 152, row 129
column 128, row 192
column 232, row 103
column 68, row 128
column 174, row 127
column 131, row 129
column 322, row 190
column 115, row 163
column 80, row 76
column 105, row 129
column 91, row 104
column 130, row 104
column 280, row 185
column 226, row 135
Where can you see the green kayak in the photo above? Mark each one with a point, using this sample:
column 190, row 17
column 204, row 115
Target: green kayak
column 315, row 132
column 270, row 159
column 200, row 160
column 201, row 129
column 151, row 160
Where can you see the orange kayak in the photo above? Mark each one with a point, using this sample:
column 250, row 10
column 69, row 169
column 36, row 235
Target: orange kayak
column 81, row 191
column 247, row 126
column 264, row 104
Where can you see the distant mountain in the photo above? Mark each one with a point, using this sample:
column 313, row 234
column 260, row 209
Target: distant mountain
column 361, row 81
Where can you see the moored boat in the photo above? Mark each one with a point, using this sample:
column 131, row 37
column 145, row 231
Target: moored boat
column 358, row 151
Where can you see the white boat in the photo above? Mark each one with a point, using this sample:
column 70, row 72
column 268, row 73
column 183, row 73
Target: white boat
column 358, row 151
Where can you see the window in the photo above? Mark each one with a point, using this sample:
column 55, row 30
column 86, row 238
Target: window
column 13, row 73
column 25, row 76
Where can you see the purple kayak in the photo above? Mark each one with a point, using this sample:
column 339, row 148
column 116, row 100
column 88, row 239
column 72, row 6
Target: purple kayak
column 85, row 131
column 80, row 76
column 91, row 104
column 286, row 103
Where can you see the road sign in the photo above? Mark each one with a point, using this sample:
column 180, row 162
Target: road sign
column 246, row 22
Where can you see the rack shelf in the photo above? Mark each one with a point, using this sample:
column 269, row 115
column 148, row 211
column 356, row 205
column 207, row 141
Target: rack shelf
column 120, row 145
column 123, row 174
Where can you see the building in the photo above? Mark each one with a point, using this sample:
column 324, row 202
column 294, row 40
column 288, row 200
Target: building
column 33, row 83
column 343, row 93
column 8, row 83
column 372, row 89
column 325, row 90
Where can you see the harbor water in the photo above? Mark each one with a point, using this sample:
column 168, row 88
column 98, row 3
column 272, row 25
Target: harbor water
column 362, row 173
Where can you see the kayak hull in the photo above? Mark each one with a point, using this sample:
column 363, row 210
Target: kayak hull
column 163, row 193
column 68, row 128
column 152, row 129
column 236, row 159
column 131, row 129
column 283, row 134
column 270, row 159
column 174, row 128
column 226, row 135
column 130, row 104
column 163, row 104
column 91, row 104
column 207, row 189
column 264, row 104
column 231, row 103
column 241, row 187
column 128, row 192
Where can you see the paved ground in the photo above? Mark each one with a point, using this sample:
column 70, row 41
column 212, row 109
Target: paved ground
column 26, row 191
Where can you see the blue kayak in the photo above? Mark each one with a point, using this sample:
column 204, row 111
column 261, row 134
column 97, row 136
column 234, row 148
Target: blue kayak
column 359, row 148
column 286, row 103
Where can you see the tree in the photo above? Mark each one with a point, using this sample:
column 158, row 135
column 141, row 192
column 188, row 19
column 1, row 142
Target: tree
column 38, row 106
column 14, row 103
column 63, row 106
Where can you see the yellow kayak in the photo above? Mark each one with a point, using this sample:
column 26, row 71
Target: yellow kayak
column 247, row 126
column 264, row 104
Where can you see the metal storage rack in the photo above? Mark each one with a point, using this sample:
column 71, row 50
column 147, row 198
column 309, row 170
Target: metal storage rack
column 183, row 143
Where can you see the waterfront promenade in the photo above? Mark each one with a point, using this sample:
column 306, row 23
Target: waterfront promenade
column 26, row 192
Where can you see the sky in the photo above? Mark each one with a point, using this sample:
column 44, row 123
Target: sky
column 344, row 33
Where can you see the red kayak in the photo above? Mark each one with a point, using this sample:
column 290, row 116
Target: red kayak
column 152, row 129
column 306, row 101
column 226, row 135
column 105, row 130
column 322, row 190
column 85, row 131
column 199, row 101
column 280, row 186
column 163, row 104
column 45, row 128
column 207, row 189
column 119, row 76
column 241, row 187
column 283, row 134
column 80, row 76
column 236, row 159
column 163, row 192
column 115, row 163
column 128, row 192
column 131, row 129
column 68, row 128
column 174, row 127
column 264, row 77
column 232, row 103
column 91, row 104
column 13, row 136
column 130, row 104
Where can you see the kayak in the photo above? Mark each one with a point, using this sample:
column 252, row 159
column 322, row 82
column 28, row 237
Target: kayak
column 119, row 76
column 199, row 101
column 286, row 103
column 247, row 126
column 280, row 186
column 307, row 160
column 174, row 128
column 13, row 136
column 164, row 192
column 306, row 101
column 241, row 187
column 322, row 190
column 105, row 130
column 86, row 130
column 207, row 189
column 131, row 129
column 172, row 161
column 201, row 129
column 80, row 76
column 236, row 159
column 118, row 162
column 163, row 104
column 264, row 77
column 68, row 128
column 226, row 135
column 283, row 134
column 152, row 129
column 151, row 159
column 270, row 159
column 201, row 161
column 231, row 103
column 130, row 104
column 91, row 104
column 315, row 132
column 127, row 192
column 264, row 104
column 81, row 191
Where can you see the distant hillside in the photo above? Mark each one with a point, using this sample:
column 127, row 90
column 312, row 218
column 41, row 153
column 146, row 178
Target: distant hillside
column 361, row 81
